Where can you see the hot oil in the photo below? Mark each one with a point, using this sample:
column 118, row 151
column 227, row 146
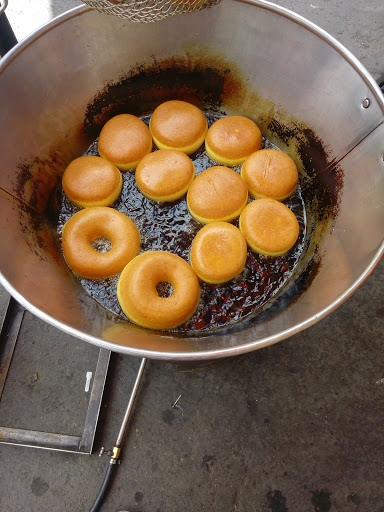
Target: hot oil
column 170, row 227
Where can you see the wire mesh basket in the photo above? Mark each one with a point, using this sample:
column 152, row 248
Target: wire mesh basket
column 146, row 11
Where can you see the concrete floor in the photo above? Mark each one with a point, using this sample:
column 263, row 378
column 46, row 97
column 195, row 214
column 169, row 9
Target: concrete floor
column 294, row 427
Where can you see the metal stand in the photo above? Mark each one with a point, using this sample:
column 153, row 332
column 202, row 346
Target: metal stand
column 51, row 441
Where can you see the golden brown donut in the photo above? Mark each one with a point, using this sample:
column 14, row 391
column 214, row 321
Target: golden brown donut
column 231, row 139
column 218, row 193
column 269, row 226
column 92, row 181
column 165, row 175
column 218, row 252
column 86, row 227
column 178, row 125
column 124, row 140
column 270, row 173
column 140, row 300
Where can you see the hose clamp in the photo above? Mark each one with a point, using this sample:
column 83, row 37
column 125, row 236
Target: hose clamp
column 3, row 5
column 115, row 452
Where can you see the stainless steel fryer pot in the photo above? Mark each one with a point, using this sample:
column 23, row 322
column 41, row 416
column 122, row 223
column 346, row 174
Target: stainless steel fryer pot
column 60, row 84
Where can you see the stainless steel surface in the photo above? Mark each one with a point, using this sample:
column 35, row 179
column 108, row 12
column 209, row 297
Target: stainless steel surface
column 3, row 5
column 147, row 11
column 305, row 73
column 132, row 398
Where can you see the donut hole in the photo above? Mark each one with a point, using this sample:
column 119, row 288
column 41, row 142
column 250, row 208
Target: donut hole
column 102, row 245
column 164, row 289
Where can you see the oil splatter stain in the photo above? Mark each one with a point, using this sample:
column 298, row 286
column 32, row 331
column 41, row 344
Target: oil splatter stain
column 39, row 486
column 168, row 416
column 139, row 497
column 321, row 500
column 208, row 462
column 355, row 499
column 276, row 501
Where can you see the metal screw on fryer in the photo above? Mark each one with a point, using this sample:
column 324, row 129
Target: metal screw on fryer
column 366, row 103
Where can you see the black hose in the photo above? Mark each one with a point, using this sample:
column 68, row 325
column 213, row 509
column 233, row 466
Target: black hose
column 104, row 488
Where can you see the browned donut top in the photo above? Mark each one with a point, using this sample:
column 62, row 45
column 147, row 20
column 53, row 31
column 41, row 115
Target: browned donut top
column 124, row 139
column 233, row 137
column 270, row 173
column 178, row 124
column 269, row 226
column 218, row 193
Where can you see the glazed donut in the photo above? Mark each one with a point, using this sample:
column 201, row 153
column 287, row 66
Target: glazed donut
column 231, row 139
column 218, row 252
column 138, row 294
column 178, row 125
column 218, row 193
column 165, row 175
column 270, row 173
column 88, row 226
column 92, row 181
column 269, row 226
column 124, row 140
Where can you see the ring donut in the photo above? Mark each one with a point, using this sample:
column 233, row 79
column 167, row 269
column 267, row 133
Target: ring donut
column 138, row 294
column 99, row 223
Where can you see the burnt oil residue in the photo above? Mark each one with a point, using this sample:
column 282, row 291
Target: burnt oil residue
column 144, row 87
column 321, row 501
column 35, row 181
column 323, row 178
column 36, row 191
column 37, row 203
column 292, row 292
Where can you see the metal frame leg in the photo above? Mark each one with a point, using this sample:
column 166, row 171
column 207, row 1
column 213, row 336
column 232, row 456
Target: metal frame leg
column 51, row 441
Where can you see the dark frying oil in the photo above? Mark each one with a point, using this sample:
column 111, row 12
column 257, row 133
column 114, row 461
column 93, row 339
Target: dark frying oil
column 170, row 227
